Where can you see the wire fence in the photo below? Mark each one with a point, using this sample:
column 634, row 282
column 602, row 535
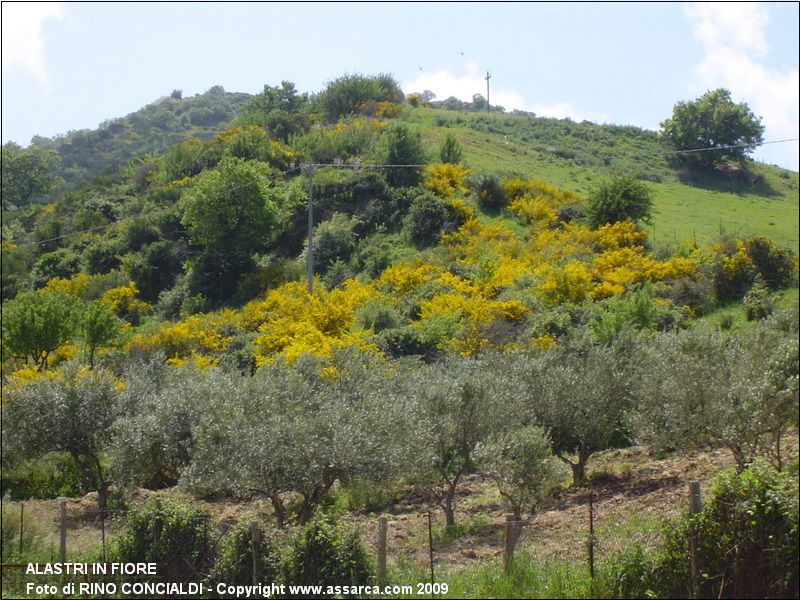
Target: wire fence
column 74, row 572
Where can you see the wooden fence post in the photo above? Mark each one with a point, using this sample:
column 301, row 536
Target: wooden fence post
column 62, row 555
column 509, row 529
column 695, row 506
column 591, row 536
column 255, row 542
column 382, row 529
column 21, row 528
column 430, row 547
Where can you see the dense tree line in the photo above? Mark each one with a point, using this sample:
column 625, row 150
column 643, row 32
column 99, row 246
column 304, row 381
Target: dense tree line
column 519, row 416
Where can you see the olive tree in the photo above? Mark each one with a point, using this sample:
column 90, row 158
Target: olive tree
column 704, row 387
column 295, row 429
column 580, row 393
column 153, row 439
column 457, row 401
column 71, row 413
column 522, row 464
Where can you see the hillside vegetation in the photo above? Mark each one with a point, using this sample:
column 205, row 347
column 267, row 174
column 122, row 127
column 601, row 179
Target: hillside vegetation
column 493, row 295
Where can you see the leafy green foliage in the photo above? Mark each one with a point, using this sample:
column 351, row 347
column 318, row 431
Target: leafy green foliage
column 705, row 387
column 713, row 121
column 635, row 309
column 72, row 413
column 99, row 328
column 378, row 316
column 488, row 190
column 280, row 110
column 427, row 218
column 229, row 206
column 36, row 323
column 747, row 545
column 28, row 174
column 620, row 198
column 522, row 464
column 292, row 430
column 152, row 129
column 327, row 554
column 153, row 440
column 333, row 240
column 348, row 94
column 63, row 262
column 167, row 531
column 758, row 304
column 583, row 392
column 404, row 147
column 50, row 476
column 234, row 565
column 457, row 400
column 774, row 264
column 451, row 151
column 230, row 215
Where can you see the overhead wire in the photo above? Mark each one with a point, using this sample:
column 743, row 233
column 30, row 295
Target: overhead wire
column 359, row 165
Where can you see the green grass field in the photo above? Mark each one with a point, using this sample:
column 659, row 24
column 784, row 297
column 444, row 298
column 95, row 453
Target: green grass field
column 704, row 211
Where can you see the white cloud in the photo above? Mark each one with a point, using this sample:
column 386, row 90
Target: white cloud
column 445, row 84
column 734, row 40
column 23, row 44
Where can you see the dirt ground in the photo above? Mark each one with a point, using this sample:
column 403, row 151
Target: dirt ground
column 633, row 492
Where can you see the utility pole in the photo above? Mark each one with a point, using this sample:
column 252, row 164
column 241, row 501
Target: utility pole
column 310, row 248
column 488, row 77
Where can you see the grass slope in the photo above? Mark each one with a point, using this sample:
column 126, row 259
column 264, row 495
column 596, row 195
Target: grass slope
column 704, row 210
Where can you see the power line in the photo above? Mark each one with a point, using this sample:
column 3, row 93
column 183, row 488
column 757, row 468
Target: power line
column 358, row 165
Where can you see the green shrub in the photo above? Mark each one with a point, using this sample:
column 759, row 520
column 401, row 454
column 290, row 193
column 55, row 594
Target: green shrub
column 619, row 199
column 451, row 151
column 325, row 553
column 758, row 303
column 334, row 240
column 774, row 264
column 404, row 341
column 32, row 547
column 747, row 545
column 50, row 476
column 169, row 531
column 488, row 190
column 378, row 316
column 427, row 218
column 235, row 563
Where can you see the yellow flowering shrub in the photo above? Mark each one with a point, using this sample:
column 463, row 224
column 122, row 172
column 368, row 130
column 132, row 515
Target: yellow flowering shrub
column 534, row 211
column 474, row 240
column 291, row 323
column 517, row 188
column 403, row 277
column 570, row 283
column 446, row 180
column 543, row 342
column 75, row 285
column 464, row 211
column 198, row 335
column 618, row 235
column 124, row 302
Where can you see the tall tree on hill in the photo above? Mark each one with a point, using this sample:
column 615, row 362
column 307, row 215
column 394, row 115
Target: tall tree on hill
column 230, row 215
column 728, row 130
column 28, row 173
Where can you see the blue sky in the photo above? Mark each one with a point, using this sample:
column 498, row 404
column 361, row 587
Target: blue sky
column 70, row 66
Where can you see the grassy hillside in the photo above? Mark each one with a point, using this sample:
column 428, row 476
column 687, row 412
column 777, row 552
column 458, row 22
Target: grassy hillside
column 480, row 338
column 576, row 156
